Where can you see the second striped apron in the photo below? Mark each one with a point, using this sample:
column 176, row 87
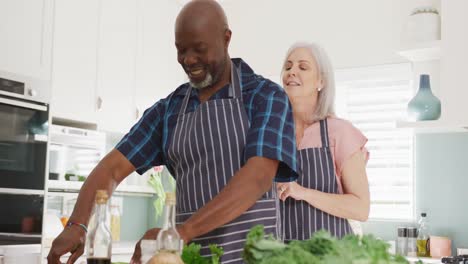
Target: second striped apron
column 206, row 150
column 316, row 171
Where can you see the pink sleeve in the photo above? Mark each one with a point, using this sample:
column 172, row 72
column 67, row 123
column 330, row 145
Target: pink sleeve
column 348, row 140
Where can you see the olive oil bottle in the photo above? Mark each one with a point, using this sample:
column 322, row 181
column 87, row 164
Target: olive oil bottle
column 423, row 237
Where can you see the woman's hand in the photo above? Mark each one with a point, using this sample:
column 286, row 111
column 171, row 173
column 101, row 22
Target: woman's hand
column 290, row 189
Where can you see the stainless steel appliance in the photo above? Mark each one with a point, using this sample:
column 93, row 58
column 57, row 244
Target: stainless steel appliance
column 24, row 119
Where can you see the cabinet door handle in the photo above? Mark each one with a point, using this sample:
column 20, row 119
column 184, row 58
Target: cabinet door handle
column 99, row 103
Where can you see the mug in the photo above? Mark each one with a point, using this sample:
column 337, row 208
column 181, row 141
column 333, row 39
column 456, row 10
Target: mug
column 440, row 246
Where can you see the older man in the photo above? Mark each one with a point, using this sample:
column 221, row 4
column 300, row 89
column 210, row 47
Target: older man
column 224, row 135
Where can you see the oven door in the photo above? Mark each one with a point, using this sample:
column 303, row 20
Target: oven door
column 21, row 220
column 23, row 144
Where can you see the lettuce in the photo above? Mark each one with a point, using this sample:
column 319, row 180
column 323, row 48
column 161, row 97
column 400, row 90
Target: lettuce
column 191, row 254
column 320, row 249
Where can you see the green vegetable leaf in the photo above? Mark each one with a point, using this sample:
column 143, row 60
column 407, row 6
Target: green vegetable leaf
column 216, row 253
column 155, row 182
column 191, row 255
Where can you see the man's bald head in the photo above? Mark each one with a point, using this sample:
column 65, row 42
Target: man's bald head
column 202, row 39
column 201, row 13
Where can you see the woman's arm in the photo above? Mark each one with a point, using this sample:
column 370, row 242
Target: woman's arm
column 354, row 203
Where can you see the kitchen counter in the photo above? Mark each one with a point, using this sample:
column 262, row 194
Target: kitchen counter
column 27, row 253
column 122, row 251
column 424, row 260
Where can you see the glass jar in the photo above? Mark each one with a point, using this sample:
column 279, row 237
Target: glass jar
column 411, row 249
column 402, row 241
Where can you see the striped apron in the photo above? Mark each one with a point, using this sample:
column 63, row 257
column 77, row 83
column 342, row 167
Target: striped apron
column 316, row 171
column 206, row 150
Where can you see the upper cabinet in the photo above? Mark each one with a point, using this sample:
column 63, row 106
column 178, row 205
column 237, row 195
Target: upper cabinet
column 158, row 72
column 74, row 77
column 454, row 62
column 116, row 71
column 113, row 59
column 108, row 60
column 26, row 37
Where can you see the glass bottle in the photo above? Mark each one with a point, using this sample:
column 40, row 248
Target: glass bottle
column 424, row 105
column 168, row 238
column 148, row 250
column 115, row 222
column 99, row 240
column 423, row 237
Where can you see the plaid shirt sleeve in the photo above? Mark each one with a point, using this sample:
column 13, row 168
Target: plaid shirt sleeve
column 272, row 133
column 142, row 146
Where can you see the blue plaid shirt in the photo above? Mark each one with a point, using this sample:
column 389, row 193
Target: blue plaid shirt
column 271, row 133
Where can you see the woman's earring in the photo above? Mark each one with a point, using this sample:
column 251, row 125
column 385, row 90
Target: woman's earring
column 319, row 89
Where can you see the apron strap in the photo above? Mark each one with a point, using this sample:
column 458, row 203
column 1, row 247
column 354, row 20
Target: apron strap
column 185, row 102
column 234, row 92
column 236, row 89
column 324, row 133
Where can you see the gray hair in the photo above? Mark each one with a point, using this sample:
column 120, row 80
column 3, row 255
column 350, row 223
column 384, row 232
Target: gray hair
column 326, row 97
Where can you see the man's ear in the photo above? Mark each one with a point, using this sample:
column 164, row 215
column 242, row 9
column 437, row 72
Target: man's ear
column 227, row 37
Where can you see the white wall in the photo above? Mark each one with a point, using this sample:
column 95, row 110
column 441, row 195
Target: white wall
column 355, row 33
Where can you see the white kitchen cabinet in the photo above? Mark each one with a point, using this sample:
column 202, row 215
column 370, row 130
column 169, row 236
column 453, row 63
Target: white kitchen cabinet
column 454, row 62
column 117, row 65
column 113, row 59
column 76, row 29
column 158, row 72
column 26, row 37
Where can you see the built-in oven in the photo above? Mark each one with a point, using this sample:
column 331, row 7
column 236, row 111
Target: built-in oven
column 24, row 133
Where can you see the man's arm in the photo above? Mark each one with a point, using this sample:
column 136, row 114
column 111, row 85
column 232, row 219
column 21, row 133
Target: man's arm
column 246, row 186
column 242, row 191
column 110, row 171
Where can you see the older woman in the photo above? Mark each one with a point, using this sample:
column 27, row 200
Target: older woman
column 332, row 186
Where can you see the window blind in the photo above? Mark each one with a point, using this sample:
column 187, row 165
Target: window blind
column 373, row 98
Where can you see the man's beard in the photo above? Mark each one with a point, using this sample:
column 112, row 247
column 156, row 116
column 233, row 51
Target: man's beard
column 203, row 84
column 210, row 79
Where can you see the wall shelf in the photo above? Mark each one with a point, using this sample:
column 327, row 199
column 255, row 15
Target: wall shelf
column 75, row 186
column 431, row 126
column 424, row 51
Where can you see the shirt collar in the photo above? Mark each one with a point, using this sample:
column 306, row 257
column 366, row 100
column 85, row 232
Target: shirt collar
column 246, row 75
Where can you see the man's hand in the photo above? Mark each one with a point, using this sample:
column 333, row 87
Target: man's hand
column 150, row 234
column 72, row 239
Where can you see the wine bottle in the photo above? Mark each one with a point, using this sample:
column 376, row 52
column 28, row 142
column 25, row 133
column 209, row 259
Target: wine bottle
column 99, row 240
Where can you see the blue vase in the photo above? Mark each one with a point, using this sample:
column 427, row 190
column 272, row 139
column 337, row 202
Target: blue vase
column 424, row 105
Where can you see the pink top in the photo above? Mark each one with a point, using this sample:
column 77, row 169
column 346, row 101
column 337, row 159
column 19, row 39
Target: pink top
column 344, row 138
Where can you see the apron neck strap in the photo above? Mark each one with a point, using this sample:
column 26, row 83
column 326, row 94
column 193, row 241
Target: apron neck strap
column 324, row 133
column 236, row 84
column 186, row 99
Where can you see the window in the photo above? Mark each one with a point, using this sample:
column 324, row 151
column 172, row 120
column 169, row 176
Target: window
column 373, row 98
